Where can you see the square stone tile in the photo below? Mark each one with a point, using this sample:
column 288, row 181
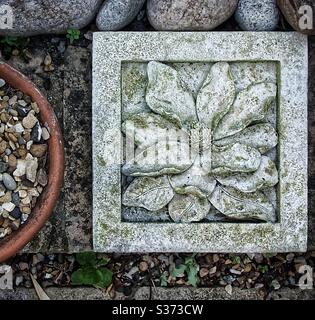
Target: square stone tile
column 113, row 53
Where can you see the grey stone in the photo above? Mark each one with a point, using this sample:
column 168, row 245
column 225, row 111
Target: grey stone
column 15, row 198
column 3, row 166
column 36, row 133
column 110, row 234
column 252, row 15
column 116, row 14
column 189, row 14
column 8, row 181
column 2, row 83
column 16, row 213
column 39, row 17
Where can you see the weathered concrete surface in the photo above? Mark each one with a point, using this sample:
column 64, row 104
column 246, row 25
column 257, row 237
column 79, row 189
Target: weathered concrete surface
column 146, row 293
column 109, row 233
column 78, row 143
column 73, row 213
column 311, row 143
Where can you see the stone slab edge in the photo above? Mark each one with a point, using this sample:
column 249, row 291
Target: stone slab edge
column 143, row 293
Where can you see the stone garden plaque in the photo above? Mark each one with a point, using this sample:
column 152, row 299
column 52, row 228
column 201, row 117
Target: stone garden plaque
column 199, row 142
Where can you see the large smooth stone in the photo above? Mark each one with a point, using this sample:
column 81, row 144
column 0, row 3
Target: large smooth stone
column 53, row 16
column 296, row 19
column 189, row 14
column 116, row 14
column 253, row 15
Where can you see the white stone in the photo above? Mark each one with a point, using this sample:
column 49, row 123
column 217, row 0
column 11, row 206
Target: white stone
column 22, row 193
column 8, row 206
column 31, row 169
column 20, row 168
column 19, row 128
column 45, row 133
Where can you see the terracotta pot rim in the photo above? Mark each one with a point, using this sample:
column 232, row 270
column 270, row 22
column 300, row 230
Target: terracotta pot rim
column 13, row 243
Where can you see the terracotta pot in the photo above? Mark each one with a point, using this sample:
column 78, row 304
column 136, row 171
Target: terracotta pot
column 13, row 243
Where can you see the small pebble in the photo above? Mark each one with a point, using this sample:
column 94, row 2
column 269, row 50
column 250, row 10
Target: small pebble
column 3, row 167
column 38, row 150
column 45, row 133
column 229, row 289
column 8, row 181
column 15, row 198
column 36, row 133
column 259, row 258
column 275, row 284
column 213, row 270
column 203, row 272
column 8, row 206
column 47, row 60
column 23, row 266
column 18, row 280
column 16, row 213
column 290, row 257
column 22, row 111
column 29, row 121
column 143, row 266
column 19, row 128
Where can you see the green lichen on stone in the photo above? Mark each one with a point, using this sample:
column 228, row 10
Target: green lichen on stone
column 133, row 79
column 101, row 161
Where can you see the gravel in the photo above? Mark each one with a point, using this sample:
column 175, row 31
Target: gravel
column 130, row 271
column 23, row 155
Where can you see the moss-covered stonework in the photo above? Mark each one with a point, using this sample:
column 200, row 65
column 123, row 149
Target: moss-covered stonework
column 279, row 58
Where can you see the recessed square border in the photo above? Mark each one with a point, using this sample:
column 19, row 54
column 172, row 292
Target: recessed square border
column 110, row 49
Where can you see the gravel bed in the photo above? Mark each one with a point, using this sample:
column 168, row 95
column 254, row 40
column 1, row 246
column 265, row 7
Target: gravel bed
column 23, row 158
column 265, row 272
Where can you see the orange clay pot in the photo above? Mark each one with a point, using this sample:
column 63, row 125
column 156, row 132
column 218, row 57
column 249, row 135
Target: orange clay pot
column 14, row 242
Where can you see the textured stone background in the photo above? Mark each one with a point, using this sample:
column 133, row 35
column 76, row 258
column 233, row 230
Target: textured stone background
column 68, row 88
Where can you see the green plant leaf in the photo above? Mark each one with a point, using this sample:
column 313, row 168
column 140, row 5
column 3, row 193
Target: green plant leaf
column 92, row 276
column 73, row 34
column 236, row 259
column 193, row 275
column 86, row 258
column 163, row 280
column 106, row 277
column 192, row 270
column 179, row 270
column 263, row 268
column 86, row 276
